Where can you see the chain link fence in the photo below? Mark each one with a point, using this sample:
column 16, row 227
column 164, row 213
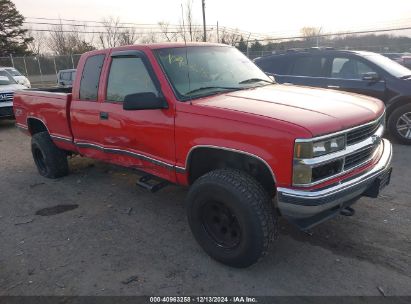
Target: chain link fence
column 41, row 70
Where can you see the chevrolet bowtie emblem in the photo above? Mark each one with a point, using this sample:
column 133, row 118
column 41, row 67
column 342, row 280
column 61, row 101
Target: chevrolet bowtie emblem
column 375, row 139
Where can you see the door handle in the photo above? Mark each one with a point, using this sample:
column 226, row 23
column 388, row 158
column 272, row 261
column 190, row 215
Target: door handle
column 104, row 115
column 333, row 87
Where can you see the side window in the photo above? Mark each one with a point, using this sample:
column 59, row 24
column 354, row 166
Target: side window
column 312, row 66
column 275, row 65
column 128, row 75
column 90, row 78
column 65, row 76
column 349, row 68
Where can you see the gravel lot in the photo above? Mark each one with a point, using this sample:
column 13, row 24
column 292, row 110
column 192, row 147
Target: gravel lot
column 122, row 240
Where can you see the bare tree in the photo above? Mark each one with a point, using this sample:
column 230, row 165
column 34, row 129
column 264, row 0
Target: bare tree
column 112, row 33
column 129, row 36
column 166, row 33
column 63, row 41
column 149, row 37
column 231, row 37
column 311, row 34
column 187, row 26
column 37, row 46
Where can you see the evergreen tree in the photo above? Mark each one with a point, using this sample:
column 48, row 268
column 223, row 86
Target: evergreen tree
column 13, row 38
column 242, row 45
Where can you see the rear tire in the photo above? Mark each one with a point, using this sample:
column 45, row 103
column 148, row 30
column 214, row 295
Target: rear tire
column 231, row 216
column 51, row 161
column 399, row 124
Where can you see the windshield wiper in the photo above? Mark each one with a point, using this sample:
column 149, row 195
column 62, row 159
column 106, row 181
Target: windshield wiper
column 251, row 80
column 405, row 77
column 212, row 87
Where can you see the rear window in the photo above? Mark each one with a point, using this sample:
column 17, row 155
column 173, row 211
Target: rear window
column 90, row 78
column 312, row 66
column 276, row 65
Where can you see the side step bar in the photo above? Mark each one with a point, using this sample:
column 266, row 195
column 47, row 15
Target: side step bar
column 149, row 183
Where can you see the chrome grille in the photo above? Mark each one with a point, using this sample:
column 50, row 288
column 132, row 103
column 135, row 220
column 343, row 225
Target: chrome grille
column 6, row 97
column 361, row 133
column 358, row 158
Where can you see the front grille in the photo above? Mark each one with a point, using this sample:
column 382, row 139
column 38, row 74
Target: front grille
column 363, row 132
column 6, row 111
column 6, row 97
column 358, row 158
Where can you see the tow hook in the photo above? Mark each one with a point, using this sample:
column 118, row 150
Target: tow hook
column 347, row 211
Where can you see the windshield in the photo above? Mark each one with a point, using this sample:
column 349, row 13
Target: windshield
column 392, row 67
column 3, row 80
column 211, row 70
column 13, row 72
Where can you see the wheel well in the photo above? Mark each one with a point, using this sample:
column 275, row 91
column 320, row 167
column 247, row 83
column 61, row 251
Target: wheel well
column 204, row 160
column 36, row 126
column 397, row 103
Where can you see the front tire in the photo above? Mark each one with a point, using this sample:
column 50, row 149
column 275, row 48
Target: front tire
column 399, row 124
column 51, row 161
column 231, row 216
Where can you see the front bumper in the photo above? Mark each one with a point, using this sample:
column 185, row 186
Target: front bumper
column 309, row 208
column 6, row 110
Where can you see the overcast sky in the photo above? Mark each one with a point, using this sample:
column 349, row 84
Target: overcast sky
column 259, row 16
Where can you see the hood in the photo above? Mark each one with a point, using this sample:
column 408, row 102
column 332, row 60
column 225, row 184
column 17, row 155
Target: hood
column 321, row 111
column 11, row 88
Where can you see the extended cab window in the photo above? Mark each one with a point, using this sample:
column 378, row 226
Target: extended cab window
column 311, row 66
column 349, row 68
column 128, row 75
column 90, row 78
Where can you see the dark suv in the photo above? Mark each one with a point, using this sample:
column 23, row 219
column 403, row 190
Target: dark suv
column 353, row 71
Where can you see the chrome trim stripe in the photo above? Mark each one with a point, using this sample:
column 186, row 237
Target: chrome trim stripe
column 231, row 150
column 339, row 132
column 21, row 126
column 383, row 164
column 180, row 169
column 126, row 152
column 61, row 138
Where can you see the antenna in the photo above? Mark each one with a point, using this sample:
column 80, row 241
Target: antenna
column 185, row 44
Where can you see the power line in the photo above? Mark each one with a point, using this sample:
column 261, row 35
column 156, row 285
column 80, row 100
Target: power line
column 104, row 26
column 338, row 34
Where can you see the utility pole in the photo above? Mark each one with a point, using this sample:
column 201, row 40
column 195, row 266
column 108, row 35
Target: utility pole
column 204, row 22
column 218, row 34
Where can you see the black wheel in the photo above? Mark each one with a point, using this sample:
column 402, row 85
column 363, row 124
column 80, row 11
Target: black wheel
column 399, row 124
column 51, row 161
column 231, row 216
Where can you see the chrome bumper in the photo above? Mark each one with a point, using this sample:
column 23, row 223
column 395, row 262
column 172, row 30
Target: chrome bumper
column 304, row 204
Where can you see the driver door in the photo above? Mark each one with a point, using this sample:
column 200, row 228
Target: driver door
column 142, row 139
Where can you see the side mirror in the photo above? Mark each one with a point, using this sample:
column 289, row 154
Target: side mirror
column 144, row 101
column 370, row 76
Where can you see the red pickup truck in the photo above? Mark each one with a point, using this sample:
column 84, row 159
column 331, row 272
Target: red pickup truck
column 204, row 116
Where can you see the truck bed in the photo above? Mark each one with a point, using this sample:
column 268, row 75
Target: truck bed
column 49, row 106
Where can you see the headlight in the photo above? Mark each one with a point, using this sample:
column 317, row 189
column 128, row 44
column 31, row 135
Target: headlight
column 318, row 148
column 304, row 174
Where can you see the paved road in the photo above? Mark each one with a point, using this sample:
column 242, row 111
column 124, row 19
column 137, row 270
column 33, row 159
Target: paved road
column 121, row 240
